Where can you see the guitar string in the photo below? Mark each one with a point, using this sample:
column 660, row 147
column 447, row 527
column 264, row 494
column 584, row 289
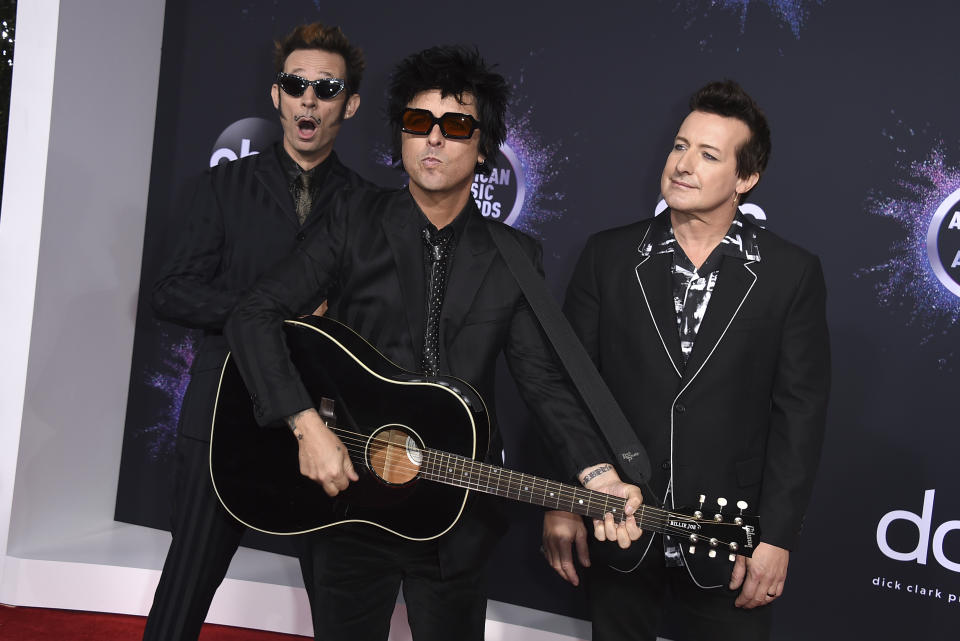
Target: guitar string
column 657, row 520
column 657, row 517
column 538, row 483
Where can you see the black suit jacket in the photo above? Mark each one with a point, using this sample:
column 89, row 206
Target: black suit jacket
column 238, row 221
column 369, row 254
column 745, row 419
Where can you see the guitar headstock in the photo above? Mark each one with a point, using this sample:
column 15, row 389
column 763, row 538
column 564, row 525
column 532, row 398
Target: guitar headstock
column 718, row 532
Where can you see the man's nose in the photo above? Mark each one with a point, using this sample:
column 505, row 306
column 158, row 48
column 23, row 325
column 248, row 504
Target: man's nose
column 684, row 163
column 309, row 97
column 435, row 136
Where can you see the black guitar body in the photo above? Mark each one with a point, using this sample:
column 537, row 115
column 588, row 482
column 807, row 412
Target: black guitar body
column 255, row 470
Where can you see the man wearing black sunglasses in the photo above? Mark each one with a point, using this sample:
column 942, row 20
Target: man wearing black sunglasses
column 418, row 275
column 242, row 218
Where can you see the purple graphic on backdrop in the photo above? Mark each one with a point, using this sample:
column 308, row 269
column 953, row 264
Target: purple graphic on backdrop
column 922, row 202
column 540, row 163
column 792, row 13
column 170, row 378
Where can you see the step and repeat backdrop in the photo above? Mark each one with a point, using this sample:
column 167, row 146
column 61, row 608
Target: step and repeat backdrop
column 862, row 97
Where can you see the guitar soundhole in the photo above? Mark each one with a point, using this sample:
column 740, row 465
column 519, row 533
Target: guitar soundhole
column 394, row 455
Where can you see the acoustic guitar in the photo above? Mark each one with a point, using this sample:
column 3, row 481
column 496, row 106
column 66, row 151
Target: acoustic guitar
column 418, row 445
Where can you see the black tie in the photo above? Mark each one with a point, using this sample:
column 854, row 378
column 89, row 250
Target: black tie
column 303, row 197
column 438, row 246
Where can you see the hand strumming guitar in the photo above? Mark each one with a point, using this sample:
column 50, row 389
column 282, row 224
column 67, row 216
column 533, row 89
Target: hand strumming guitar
column 323, row 456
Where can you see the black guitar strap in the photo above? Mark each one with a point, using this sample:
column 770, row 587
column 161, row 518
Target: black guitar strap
column 596, row 395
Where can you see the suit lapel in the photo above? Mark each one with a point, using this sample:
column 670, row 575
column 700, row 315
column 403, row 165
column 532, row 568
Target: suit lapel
column 653, row 274
column 271, row 176
column 402, row 234
column 471, row 260
column 734, row 284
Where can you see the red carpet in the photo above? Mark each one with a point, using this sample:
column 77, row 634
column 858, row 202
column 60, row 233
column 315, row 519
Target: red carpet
column 39, row 624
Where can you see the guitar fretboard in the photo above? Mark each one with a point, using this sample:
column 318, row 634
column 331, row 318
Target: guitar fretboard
column 463, row 472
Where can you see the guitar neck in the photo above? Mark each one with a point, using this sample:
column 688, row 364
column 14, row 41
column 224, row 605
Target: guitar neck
column 463, row 472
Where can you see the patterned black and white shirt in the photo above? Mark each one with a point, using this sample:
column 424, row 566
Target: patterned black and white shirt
column 692, row 287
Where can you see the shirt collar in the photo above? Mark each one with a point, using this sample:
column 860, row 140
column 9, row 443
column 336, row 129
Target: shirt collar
column 454, row 228
column 740, row 240
column 292, row 170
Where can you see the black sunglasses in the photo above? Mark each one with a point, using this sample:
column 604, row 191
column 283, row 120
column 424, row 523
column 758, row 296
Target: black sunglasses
column 325, row 88
column 452, row 125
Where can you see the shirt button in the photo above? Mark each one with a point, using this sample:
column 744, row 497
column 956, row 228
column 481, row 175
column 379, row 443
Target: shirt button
column 301, row 236
column 680, row 408
column 665, row 465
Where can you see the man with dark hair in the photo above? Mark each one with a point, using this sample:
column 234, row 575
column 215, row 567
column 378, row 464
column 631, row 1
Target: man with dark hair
column 711, row 333
column 241, row 218
column 416, row 272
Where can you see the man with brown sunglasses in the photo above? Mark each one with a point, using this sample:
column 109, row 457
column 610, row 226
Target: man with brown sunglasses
column 417, row 273
column 241, row 218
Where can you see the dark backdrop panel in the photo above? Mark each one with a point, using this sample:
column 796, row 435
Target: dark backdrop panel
column 862, row 98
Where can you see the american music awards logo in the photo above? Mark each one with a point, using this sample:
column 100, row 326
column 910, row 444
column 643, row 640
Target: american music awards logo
column 534, row 164
column 500, row 195
column 943, row 243
column 923, row 271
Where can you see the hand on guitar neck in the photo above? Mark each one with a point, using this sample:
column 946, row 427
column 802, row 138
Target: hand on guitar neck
column 323, row 457
column 564, row 532
column 604, row 478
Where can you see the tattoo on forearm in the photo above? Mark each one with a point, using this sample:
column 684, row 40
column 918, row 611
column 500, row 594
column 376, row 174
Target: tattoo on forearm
column 595, row 473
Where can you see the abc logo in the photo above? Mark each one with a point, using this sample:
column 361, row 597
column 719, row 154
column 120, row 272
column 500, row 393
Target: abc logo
column 244, row 138
column 500, row 195
column 923, row 523
column 943, row 243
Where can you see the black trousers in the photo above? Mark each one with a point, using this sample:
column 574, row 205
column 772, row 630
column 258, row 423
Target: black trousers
column 358, row 571
column 205, row 538
column 655, row 599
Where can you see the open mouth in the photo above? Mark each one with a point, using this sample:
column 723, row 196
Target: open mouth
column 306, row 126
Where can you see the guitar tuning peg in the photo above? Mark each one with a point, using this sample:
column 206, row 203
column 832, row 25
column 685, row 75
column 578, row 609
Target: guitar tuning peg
column 693, row 549
column 698, row 514
column 722, row 502
column 712, row 554
column 742, row 505
column 732, row 558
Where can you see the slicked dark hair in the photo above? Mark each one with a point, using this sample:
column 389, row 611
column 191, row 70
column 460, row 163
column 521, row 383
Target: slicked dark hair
column 317, row 36
column 454, row 70
column 727, row 98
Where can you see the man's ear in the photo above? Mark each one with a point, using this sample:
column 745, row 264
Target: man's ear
column 353, row 103
column 746, row 184
column 275, row 95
